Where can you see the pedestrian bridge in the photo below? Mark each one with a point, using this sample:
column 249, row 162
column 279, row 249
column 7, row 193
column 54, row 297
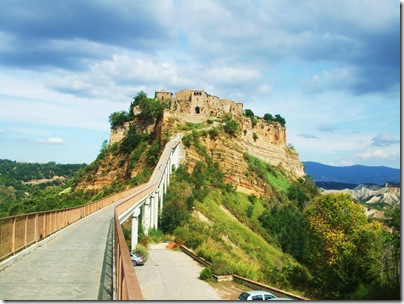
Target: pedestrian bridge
column 80, row 253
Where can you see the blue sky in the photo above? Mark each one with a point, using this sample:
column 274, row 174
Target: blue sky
column 330, row 68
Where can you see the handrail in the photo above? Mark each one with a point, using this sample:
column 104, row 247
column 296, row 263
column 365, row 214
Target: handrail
column 18, row 232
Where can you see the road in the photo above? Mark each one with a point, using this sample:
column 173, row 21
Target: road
column 172, row 275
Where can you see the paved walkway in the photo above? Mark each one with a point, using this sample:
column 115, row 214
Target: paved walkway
column 73, row 264
column 172, row 275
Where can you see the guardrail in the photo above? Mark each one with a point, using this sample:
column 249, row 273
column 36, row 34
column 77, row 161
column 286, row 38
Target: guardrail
column 20, row 231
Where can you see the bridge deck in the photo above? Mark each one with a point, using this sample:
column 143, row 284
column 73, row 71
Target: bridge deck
column 73, row 264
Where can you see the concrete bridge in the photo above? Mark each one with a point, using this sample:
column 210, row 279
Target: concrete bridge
column 80, row 253
column 148, row 208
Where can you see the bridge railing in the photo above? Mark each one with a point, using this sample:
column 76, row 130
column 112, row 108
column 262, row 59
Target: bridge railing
column 20, row 231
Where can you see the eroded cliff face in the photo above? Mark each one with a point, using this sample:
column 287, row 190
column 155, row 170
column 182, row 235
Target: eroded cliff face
column 268, row 144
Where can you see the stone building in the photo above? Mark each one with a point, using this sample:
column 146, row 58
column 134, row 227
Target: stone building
column 199, row 102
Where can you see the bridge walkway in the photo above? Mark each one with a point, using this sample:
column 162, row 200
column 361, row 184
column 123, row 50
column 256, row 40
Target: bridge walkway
column 73, row 264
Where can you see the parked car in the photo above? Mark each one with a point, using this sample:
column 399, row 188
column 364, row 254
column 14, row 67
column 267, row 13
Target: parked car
column 137, row 259
column 256, row 295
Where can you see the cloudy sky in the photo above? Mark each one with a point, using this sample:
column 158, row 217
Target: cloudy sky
column 330, row 68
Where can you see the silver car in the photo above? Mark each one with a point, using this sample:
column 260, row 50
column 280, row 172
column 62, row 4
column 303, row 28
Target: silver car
column 137, row 259
column 256, row 295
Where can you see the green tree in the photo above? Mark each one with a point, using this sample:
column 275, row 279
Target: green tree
column 249, row 113
column 141, row 96
column 117, row 119
column 150, row 109
column 393, row 245
column 280, row 119
column 346, row 248
column 268, row 117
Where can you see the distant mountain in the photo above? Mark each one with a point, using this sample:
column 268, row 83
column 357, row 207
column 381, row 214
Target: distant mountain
column 357, row 174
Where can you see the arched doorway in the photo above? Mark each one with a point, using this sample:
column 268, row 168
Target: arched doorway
column 197, row 110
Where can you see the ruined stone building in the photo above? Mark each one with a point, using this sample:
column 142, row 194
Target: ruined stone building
column 200, row 102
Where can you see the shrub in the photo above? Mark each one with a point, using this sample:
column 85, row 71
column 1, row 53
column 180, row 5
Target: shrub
column 232, row 127
column 155, row 235
column 141, row 250
column 222, row 266
column 206, row 273
column 152, row 153
column 213, row 133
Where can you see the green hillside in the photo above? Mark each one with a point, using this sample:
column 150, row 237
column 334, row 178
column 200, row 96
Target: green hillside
column 23, row 183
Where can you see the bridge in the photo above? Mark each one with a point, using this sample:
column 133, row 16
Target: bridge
column 81, row 253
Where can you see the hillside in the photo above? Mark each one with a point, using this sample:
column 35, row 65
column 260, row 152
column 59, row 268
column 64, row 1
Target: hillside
column 19, row 180
column 357, row 174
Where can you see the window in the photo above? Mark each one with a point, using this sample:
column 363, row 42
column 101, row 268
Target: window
column 255, row 298
column 267, row 297
column 243, row 296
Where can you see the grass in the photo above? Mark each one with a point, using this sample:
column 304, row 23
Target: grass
column 232, row 247
column 268, row 173
column 190, row 126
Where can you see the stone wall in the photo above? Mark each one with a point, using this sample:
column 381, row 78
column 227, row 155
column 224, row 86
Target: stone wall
column 118, row 133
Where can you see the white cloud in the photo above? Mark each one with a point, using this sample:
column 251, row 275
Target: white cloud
column 264, row 89
column 51, row 140
column 384, row 139
column 378, row 153
column 331, row 79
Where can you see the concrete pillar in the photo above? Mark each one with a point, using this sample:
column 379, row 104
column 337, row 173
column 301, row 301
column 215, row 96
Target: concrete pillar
column 135, row 230
column 157, row 209
column 161, row 198
column 165, row 180
column 146, row 216
column 153, row 211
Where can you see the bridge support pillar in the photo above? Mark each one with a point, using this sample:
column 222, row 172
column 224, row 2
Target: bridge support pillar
column 146, row 216
column 160, row 194
column 153, row 211
column 135, row 230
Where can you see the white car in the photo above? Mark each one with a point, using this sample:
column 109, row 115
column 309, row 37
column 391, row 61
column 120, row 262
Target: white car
column 256, row 295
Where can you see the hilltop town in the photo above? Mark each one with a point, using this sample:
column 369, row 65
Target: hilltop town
column 262, row 139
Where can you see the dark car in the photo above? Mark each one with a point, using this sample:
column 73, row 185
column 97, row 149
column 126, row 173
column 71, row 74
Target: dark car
column 256, row 295
column 137, row 259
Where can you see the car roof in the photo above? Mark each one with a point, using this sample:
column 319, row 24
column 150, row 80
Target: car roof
column 255, row 292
